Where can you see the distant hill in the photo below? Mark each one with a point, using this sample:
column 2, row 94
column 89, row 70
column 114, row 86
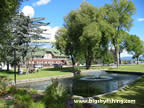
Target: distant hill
column 130, row 58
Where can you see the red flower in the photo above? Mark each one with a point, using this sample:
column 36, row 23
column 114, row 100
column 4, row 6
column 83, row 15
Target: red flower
column 57, row 82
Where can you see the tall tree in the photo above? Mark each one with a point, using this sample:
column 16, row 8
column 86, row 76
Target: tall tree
column 85, row 31
column 23, row 30
column 120, row 16
column 134, row 46
column 8, row 8
column 85, row 28
column 64, row 44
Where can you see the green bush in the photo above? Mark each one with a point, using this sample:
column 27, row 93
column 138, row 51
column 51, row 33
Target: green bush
column 32, row 91
column 22, row 99
column 59, row 106
column 37, row 105
column 55, row 94
column 78, row 106
column 4, row 82
column 22, row 92
column 12, row 89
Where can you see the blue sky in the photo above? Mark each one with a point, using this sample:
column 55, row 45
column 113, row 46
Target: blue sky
column 55, row 10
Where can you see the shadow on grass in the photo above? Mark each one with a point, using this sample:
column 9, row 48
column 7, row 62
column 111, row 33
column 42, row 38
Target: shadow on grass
column 135, row 92
column 7, row 72
column 65, row 69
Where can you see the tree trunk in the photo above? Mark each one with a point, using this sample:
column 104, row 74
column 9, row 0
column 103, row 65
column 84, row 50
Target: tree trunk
column 27, row 66
column 137, row 60
column 18, row 67
column 89, row 58
column 117, row 57
column 7, row 66
column 88, row 62
column 73, row 63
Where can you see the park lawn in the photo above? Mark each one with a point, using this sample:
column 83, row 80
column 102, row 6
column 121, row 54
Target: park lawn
column 134, row 91
column 130, row 68
column 95, row 67
column 45, row 72
column 42, row 73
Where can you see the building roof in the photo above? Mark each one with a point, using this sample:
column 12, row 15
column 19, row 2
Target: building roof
column 42, row 51
column 55, row 52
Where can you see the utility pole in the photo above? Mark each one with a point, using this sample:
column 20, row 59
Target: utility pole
column 14, row 66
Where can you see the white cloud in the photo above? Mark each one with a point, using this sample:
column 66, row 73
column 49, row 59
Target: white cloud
column 28, row 11
column 41, row 2
column 141, row 19
column 125, row 54
column 50, row 32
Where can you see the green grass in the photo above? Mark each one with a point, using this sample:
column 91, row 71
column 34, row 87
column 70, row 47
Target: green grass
column 45, row 72
column 95, row 67
column 131, row 68
column 66, row 71
column 40, row 74
column 134, row 91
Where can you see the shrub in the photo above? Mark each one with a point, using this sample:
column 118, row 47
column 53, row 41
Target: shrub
column 22, row 99
column 78, row 106
column 4, row 82
column 37, row 105
column 56, row 94
column 32, row 91
column 12, row 89
column 22, row 91
column 59, row 106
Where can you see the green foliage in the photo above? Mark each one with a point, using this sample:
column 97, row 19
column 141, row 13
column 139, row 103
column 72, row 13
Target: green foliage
column 119, row 15
column 55, row 94
column 134, row 46
column 8, row 8
column 108, row 58
column 22, row 99
column 37, row 105
column 78, row 106
column 90, row 30
column 12, row 90
column 4, row 82
column 23, row 30
column 85, row 29
column 32, row 91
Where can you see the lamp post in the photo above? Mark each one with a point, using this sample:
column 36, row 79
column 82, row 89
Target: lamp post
column 14, row 66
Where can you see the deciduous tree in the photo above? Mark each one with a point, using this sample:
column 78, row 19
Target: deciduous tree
column 119, row 14
column 134, row 46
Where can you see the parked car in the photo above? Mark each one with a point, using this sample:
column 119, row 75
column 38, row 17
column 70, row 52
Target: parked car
column 38, row 66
